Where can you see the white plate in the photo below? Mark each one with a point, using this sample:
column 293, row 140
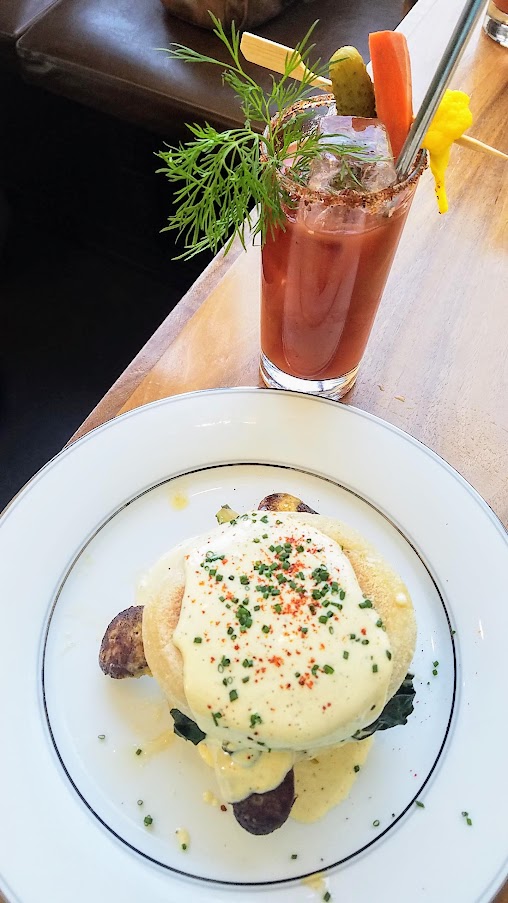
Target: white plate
column 73, row 545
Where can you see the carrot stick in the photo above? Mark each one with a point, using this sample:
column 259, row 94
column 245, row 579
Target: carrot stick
column 391, row 68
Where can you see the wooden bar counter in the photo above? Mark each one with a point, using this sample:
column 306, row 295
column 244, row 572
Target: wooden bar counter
column 437, row 361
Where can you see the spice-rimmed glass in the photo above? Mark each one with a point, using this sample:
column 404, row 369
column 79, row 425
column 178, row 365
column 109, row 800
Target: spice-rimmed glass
column 323, row 276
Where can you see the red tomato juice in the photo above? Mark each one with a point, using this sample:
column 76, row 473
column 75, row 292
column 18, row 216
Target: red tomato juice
column 321, row 290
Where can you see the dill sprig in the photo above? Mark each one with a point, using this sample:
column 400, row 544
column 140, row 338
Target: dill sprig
column 222, row 175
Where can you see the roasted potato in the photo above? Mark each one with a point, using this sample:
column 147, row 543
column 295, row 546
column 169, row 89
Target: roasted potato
column 283, row 501
column 122, row 653
column 262, row 813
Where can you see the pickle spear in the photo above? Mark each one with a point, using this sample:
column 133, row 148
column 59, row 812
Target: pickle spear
column 351, row 84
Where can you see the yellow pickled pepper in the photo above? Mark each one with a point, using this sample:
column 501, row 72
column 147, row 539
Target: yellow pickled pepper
column 452, row 118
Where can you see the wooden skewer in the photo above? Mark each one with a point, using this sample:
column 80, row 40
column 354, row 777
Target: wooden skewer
column 271, row 55
column 474, row 144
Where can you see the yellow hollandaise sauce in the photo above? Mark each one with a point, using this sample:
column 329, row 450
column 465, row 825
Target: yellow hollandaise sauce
column 282, row 653
column 325, row 779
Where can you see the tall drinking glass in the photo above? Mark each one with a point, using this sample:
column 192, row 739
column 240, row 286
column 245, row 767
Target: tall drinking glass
column 323, row 276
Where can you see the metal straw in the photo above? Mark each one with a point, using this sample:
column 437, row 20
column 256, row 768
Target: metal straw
column 437, row 86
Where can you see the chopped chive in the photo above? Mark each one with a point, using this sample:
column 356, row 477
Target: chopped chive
column 294, row 855
column 342, row 595
column 255, row 719
column 101, row 736
column 365, row 604
column 327, row 896
column 148, row 820
column 184, row 847
column 376, row 823
column 140, row 802
column 435, row 664
column 198, row 639
column 304, row 629
column 388, row 655
column 244, row 579
column 265, row 628
column 216, row 716
column 374, row 669
column 245, row 679
column 328, row 669
column 434, row 671
column 139, row 751
column 264, row 519
column 365, row 642
column 345, row 654
column 357, row 768
column 300, row 548
column 419, row 804
column 233, row 695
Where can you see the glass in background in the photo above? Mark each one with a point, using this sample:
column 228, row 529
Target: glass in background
column 496, row 22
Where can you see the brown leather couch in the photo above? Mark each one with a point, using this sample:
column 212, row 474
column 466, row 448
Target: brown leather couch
column 104, row 54
column 16, row 16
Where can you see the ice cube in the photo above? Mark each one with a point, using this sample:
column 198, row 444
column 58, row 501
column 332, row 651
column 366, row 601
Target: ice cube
column 368, row 167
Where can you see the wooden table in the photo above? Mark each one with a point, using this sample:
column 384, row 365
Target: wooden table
column 437, row 360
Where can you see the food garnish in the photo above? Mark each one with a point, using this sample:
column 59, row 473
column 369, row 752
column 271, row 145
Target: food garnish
column 391, row 69
column 452, row 118
column 222, row 174
column 351, row 84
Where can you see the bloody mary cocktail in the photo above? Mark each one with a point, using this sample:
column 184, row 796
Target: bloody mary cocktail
column 323, row 276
